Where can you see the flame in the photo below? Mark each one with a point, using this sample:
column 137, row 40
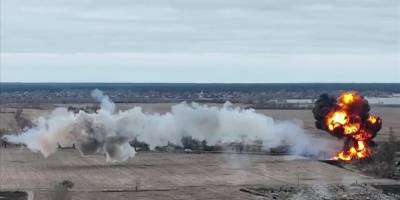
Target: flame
column 346, row 119
column 372, row 119
column 350, row 129
column 347, row 98
column 337, row 119
column 362, row 135
column 360, row 151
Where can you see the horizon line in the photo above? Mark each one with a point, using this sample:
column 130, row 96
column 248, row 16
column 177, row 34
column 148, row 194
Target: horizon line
column 95, row 82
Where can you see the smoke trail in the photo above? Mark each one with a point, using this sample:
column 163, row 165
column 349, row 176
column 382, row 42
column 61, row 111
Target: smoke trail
column 109, row 132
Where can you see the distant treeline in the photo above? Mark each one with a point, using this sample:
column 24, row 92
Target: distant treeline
column 206, row 87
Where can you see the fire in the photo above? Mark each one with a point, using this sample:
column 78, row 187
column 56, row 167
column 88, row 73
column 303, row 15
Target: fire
column 347, row 116
column 337, row 119
column 347, row 98
column 372, row 119
column 350, row 129
column 358, row 152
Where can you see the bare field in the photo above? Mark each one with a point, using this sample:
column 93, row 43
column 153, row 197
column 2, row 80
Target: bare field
column 153, row 175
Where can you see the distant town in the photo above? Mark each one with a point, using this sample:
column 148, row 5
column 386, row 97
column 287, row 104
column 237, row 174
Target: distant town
column 278, row 96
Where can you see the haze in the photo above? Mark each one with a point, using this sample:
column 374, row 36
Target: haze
column 200, row 41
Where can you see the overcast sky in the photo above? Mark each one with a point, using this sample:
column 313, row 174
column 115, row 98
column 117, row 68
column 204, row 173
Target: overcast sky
column 200, row 41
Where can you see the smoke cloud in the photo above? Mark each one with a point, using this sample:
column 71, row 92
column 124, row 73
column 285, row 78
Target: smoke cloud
column 347, row 116
column 109, row 132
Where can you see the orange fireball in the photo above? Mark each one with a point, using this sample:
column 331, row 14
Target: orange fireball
column 348, row 117
column 372, row 119
column 337, row 119
column 360, row 151
column 347, row 98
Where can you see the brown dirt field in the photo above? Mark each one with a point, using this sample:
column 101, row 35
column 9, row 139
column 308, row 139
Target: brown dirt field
column 169, row 175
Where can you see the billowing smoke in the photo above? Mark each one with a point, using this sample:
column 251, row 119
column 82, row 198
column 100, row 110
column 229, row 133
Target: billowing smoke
column 347, row 116
column 109, row 132
column 106, row 103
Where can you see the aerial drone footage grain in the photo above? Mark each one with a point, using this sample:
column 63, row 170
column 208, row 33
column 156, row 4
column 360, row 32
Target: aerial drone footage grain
column 190, row 99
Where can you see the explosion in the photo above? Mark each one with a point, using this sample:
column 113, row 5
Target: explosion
column 348, row 116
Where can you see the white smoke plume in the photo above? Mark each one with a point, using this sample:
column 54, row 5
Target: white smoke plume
column 110, row 132
column 106, row 103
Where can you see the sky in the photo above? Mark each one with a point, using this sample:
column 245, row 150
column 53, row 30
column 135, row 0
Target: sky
column 203, row 41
